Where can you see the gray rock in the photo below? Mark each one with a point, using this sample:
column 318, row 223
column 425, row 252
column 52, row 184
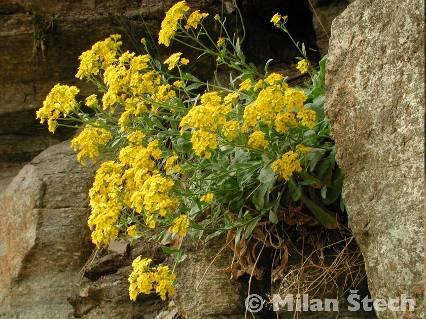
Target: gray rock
column 205, row 290
column 375, row 101
column 43, row 235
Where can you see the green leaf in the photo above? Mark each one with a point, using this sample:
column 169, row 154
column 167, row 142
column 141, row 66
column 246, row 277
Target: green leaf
column 251, row 226
column 335, row 190
column 309, row 179
column 324, row 192
column 194, row 86
column 325, row 217
column 313, row 157
column 273, row 218
column 266, row 175
column 217, row 233
column 258, row 198
column 295, row 190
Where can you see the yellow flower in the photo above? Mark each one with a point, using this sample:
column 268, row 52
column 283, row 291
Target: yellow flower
column 209, row 116
column 307, row 117
column 171, row 21
column 207, row 198
column 146, row 280
column 220, row 42
column 273, row 78
column 287, row 165
column 203, row 143
column 294, row 99
column 155, row 196
column 92, row 101
column 194, row 19
column 276, row 18
column 230, row 130
column 179, row 84
column 231, row 98
column 246, row 85
column 284, row 121
column 99, row 57
column 141, row 279
column 257, row 140
column 180, row 225
column 303, row 66
column 105, row 202
column 184, row 61
column 259, row 85
column 170, row 166
column 173, row 60
column 88, row 142
column 302, row 149
column 136, row 137
column 164, row 282
column 59, row 103
column 132, row 231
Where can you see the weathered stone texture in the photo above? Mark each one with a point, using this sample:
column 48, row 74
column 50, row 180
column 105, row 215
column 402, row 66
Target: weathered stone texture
column 205, row 290
column 375, row 101
column 44, row 239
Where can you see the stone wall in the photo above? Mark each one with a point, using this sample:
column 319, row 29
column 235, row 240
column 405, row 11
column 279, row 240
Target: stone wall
column 375, row 101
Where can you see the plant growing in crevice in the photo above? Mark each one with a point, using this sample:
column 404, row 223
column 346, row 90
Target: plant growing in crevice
column 42, row 25
column 183, row 158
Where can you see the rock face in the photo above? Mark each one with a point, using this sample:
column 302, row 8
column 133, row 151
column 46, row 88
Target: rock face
column 205, row 289
column 44, row 239
column 375, row 101
column 104, row 291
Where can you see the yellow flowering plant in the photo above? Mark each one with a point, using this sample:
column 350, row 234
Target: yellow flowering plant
column 179, row 157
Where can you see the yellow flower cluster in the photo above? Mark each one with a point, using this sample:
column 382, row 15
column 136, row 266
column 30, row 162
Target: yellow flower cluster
column 136, row 137
column 206, row 119
column 173, row 60
column 276, row 105
column 221, row 42
column 180, row 225
column 268, row 103
column 147, row 280
column 129, row 79
column 170, row 166
column 99, row 57
column 287, row 165
column 171, row 21
column 88, row 142
column 207, row 198
column 284, row 121
column 276, row 19
column 230, row 130
column 303, row 66
column 92, row 101
column 146, row 190
column 294, row 99
column 203, row 143
column 302, row 149
column 257, row 140
column 194, row 19
column 105, row 202
column 60, row 102
column 132, row 231
column 307, row 117
column 154, row 198
column 246, row 85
